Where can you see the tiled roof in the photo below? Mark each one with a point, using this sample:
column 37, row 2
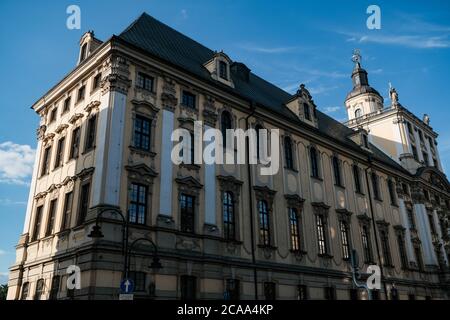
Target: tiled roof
column 169, row 45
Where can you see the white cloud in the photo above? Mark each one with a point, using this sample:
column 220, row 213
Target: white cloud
column 321, row 89
column 16, row 163
column 2, row 252
column 331, row 109
column 8, row 202
column 184, row 13
column 269, row 50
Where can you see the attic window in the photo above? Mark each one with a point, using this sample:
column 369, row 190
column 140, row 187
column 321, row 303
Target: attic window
column 223, row 70
column 83, row 52
column 365, row 141
column 307, row 112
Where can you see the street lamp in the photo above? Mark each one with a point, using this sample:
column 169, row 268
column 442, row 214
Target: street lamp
column 96, row 233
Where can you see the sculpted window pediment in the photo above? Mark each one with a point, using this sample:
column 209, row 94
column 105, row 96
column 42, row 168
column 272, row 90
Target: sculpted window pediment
column 61, row 128
column 75, row 118
column 189, row 182
column 92, row 106
column 141, row 171
column 294, row 201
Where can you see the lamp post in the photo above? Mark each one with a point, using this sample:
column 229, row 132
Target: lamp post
column 96, row 233
column 355, row 274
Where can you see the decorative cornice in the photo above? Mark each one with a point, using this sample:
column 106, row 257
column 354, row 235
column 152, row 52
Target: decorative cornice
column 92, row 106
column 190, row 182
column 61, row 128
column 75, row 118
column 294, row 200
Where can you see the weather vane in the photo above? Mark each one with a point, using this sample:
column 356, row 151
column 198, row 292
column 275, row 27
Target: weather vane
column 356, row 57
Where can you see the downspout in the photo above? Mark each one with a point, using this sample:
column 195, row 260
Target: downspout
column 250, row 198
column 369, row 159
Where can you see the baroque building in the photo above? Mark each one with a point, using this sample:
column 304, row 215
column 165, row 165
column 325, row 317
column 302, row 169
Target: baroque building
column 104, row 182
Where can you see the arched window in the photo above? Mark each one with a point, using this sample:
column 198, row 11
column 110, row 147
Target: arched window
column 225, row 124
column 264, row 223
column 314, row 162
column 288, row 153
column 39, row 289
column 376, row 190
column 25, row 289
column 228, row 216
column 294, row 227
column 337, row 171
column 358, row 113
column 307, row 112
column 357, row 178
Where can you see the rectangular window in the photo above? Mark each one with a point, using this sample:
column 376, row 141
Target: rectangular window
column 302, row 292
column 365, row 236
column 37, row 223
column 187, row 213
column 392, row 192
column 420, row 135
column 67, row 213
column 357, row 178
column 431, row 222
column 430, row 141
column 337, row 171
column 307, row 112
column 321, row 234
column 51, row 218
column 330, row 293
column 60, row 153
column 138, row 279
column 188, row 286
column 385, row 248
column 229, row 223
column 75, row 146
column 53, row 114
column 223, row 72
column 144, row 81
column 46, row 161
column 96, row 81
column 138, row 203
column 425, row 159
column 91, row 133
column 408, row 125
column 84, row 203
column 81, row 93
column 405, row 189
column 411, row 220
column 343, row 226
column 414, row 152
column 54, row 288
column 354, row 294
column 375, row 186
column 264, row 223
column 419, row 259
column 294, row 229
column 269, row 291
column 402, row 251
column 142, row 127
column 66, row 106
column 188, row 99
column 232, row 291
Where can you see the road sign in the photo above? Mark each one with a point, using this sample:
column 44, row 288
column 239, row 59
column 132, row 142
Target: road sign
column 126, row 296
column 127, row 286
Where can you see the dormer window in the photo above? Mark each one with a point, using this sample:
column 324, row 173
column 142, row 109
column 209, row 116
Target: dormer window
column 365, row 141
column 307, row 111
column 83, row 52
column 223, row 70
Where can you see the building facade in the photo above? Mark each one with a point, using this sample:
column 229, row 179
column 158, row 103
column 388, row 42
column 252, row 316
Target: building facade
column 223, row 230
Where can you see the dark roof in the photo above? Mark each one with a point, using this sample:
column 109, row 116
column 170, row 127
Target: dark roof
column 167, row 44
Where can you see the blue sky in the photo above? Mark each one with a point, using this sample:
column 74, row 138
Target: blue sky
column 285, row 42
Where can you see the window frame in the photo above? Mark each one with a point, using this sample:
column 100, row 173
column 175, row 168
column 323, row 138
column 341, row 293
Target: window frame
column 59, row 157
column 75, row 143
column 228, row 213
column 187, row 213
column 83, row 202
column 138, row 204
column 51, row 218
column 91, row 133
column 288, row 153
column 189, row 99
column 264, row 223
column 145, row 81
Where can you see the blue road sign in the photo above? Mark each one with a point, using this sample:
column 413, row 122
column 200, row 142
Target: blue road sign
column 127, row 286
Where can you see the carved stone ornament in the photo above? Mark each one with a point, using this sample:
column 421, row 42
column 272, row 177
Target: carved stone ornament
column 75, row 118
column 209, row 112
column 118, row 77
column 168, row 95
column 92, row 106
column 41, row 131
column 61, row 128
